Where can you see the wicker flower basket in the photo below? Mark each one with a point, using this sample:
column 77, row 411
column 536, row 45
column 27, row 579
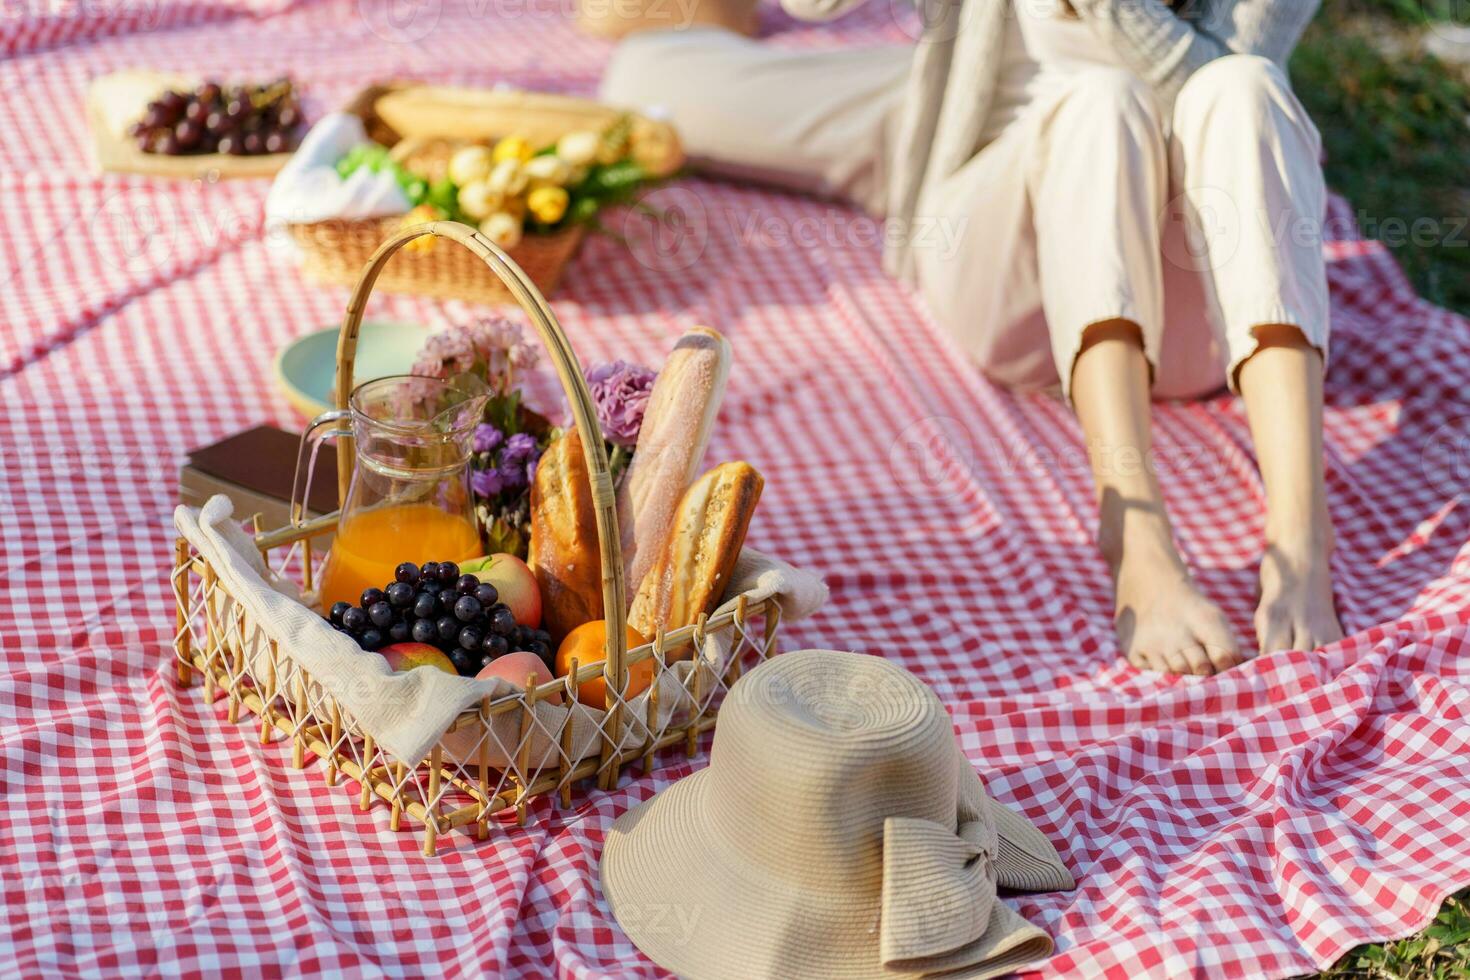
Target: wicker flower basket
column 495, row 758
column 421, row 123
column 336, row 251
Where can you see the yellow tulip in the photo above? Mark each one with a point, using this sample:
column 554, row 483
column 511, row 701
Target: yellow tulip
column 420, row 215
column 516, row 148
column 548, row 204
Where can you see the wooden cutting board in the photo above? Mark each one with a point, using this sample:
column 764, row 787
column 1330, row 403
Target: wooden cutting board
column 114, row 101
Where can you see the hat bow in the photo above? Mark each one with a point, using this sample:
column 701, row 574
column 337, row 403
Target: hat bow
column 938, row 890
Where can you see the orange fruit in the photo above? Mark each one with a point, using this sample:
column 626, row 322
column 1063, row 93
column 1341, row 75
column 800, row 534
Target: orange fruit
column 585, row 643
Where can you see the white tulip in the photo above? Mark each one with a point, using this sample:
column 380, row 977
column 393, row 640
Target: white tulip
column 548, row 169
column 470, row 164
column 579, row 148
column 508, row 178
column 502, row 229
column 478, row 201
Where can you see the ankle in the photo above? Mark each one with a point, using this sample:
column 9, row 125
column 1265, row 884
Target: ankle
column 1142, row 540
column 1307, row 539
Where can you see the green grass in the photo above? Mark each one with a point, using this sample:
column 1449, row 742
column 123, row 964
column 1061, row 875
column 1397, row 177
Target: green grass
column 1393, row 121
column 1440, row 952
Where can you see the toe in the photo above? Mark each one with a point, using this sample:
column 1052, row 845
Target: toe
column 1222, row 646
column 1223, row 658
column 1174, row 661
column 1198, row 660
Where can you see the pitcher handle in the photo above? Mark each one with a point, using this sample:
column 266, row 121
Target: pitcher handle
column 313, row 437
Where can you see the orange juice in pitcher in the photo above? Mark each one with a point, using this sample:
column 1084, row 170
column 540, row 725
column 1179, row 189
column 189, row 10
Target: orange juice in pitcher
column 371, row 544
column 409, row 497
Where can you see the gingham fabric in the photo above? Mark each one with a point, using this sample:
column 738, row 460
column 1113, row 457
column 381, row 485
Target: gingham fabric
column 1255, row 824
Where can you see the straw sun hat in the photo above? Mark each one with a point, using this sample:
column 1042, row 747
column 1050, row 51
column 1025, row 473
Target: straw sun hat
column 837, row 832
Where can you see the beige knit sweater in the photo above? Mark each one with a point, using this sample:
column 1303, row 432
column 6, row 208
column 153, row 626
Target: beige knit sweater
column 957, row 61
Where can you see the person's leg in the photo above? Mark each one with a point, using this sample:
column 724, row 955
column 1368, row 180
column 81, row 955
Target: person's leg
column 814, row 121
column 1247, row 158
column 1099, row 181
column 1282, row 387
column 1061, row 213
column 1164, row 622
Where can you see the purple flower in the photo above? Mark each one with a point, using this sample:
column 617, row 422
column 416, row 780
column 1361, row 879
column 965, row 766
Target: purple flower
column 531, row 469
column 512, row 476
column 486, row 483
column 487, row 437
column 518, row 450
column 620, row 391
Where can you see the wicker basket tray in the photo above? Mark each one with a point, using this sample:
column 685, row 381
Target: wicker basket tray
column 494, row 759
column 430, row 119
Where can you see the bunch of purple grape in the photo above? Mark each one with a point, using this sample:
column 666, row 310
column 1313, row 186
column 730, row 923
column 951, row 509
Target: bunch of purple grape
column 435, row 604
column 242, row 120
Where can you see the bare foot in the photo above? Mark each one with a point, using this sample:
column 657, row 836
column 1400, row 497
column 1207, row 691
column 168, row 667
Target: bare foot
column 1296, row 610
column 1164, row 622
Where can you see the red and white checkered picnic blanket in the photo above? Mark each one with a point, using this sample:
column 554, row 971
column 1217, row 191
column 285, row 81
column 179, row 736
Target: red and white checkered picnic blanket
column 1258, row 823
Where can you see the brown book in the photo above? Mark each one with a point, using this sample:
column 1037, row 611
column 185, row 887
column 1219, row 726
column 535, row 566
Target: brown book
column 254, row 469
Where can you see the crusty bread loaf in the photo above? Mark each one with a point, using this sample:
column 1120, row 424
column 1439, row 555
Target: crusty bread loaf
column 676, row 429
column 564, row 553
column 696, row 562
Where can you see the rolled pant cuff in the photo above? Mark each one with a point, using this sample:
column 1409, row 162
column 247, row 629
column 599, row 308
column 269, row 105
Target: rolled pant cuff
column 1146, row 333
column 1246, row 342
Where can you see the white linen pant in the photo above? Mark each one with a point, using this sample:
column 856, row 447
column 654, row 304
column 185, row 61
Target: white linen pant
column 1198, row 223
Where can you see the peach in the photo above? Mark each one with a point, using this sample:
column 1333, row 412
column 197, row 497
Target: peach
column 515, row 667
column 515, row 582
column 406, row 656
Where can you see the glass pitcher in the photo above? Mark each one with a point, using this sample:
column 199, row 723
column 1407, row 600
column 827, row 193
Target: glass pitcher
column 409, row 498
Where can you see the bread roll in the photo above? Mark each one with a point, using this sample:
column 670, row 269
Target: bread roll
column 564, row 553
column 676, row 429
column 695, row 564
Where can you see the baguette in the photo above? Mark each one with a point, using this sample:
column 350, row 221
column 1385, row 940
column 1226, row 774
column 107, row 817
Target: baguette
column 695, row 564
column 564, row 553
column 671, row 444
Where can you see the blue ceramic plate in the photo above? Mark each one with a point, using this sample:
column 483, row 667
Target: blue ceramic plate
column 307, row 366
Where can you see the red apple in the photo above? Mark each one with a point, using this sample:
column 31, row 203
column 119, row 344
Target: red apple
column 516, row 667
column 406, row 656
column 515, row 582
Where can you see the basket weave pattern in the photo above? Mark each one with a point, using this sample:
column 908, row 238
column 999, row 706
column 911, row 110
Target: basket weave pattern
column 481, row 765
column 335, row 252
column 475, row 772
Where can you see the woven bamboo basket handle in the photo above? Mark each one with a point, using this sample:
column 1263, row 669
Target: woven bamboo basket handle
column 584, row 415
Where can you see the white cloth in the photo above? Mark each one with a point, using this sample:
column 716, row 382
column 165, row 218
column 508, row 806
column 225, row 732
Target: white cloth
column 1199, row 227
column 407, row 713
column 815, row 121
column 1199, row 222
column 1042, row 48
column 308, row 189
